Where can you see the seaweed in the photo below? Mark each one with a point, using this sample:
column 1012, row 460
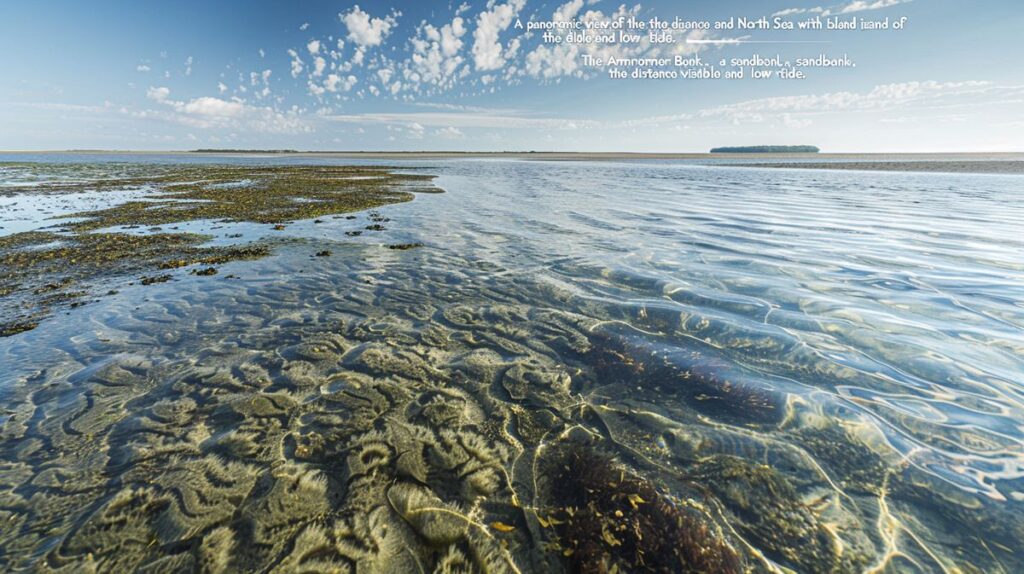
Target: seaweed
column 15, row 327
column 154, row 279
column 608, row 519
column 267, row 194
column 91, row 249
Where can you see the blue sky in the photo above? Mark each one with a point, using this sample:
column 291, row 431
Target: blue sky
column 449, row 76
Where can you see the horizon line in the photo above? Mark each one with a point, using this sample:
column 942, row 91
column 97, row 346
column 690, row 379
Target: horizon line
column 289, row 151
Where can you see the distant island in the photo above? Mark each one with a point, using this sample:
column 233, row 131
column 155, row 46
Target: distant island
column 767, row 149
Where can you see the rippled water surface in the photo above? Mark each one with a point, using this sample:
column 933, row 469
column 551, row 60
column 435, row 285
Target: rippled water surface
column 828, row 367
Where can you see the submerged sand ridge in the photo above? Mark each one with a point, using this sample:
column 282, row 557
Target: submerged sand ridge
column 47, row 270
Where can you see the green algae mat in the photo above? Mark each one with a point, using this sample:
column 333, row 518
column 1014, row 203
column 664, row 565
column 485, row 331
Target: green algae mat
column 46, row 270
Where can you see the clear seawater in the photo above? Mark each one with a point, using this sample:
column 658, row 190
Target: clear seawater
column 860, row 333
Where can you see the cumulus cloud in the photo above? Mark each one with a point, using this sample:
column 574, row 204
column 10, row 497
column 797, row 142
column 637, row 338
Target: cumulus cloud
column 142, row 68
column 488, row 52
column 209, row 106
column 365, row 30
column 208, row 112
column 296, row 63
column 260, row 82
column 552, row 61
column 336, row 83
column 436, row 56
column 314, row 47
column 158, row 94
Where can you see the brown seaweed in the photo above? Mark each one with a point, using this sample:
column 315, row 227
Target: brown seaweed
column 608, row 519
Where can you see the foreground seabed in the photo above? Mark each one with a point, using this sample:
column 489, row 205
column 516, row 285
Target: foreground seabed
column 406, row 408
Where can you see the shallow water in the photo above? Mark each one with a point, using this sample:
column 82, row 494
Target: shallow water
column 858, row 333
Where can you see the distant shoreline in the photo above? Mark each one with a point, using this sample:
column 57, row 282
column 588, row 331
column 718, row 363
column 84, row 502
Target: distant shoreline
column 564, row 156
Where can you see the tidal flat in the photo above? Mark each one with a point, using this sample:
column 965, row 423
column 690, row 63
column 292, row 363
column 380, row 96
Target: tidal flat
column 552, row 366
column 61, row 266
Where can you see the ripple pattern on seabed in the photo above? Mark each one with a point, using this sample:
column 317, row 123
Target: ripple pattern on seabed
column 824, row 367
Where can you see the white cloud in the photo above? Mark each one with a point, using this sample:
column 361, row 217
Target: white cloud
column 365, row 30
column 208, row 112
column 880, row 97
column 142, row 68
column 314, row 47
column 449, row 133
column 861, row 5
column 477, row 119
column 296, row 63
column 552, row 61
column 488, row 53
column 848, row 8
column 212, row 107
column 796, row 11
column 798, row 111
column 336, row 83
column 260, row 81
column 158, row 94
column 358, row 55
column 304, row 26
column 436, row 56
column 188, row 66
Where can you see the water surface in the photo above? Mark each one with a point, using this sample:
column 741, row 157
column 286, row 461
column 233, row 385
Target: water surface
column 852, row 342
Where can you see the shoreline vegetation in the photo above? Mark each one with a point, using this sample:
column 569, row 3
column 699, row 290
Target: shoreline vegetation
column 62, row 266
